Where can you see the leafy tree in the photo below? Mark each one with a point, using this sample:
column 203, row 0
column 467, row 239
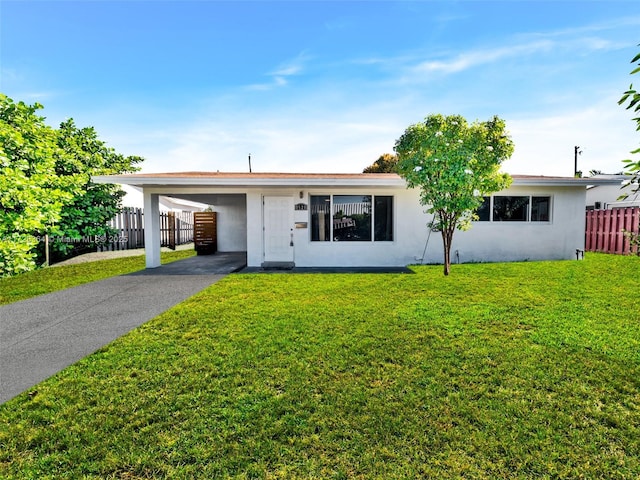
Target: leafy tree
column 454, row 164
column 93, row 205
column 31, row 194
column 46, row 188
column 386, row 163
column 633, row 98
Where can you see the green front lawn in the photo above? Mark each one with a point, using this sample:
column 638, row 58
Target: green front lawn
column 47, row 280
column 521, row 370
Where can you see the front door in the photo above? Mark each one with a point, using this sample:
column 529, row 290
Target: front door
column 278, row 229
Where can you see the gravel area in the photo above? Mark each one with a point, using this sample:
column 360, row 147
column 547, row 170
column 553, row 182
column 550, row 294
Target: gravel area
column 95, row 256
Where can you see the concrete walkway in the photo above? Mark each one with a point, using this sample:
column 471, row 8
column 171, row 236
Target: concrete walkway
column 42, row 335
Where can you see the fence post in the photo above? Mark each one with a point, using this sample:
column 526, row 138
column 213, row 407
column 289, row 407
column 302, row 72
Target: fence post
column 171, row 219
column 634, row 228
column 587, row 233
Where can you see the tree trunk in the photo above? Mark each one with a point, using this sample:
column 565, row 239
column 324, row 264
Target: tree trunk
column 447, row 237
column 447, row 261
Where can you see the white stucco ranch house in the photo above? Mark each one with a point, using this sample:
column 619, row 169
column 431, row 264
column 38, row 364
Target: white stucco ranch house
column 350, row 220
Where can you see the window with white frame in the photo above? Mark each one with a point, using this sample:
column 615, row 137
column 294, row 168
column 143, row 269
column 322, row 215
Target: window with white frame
column 351, row 218
column 515, row 208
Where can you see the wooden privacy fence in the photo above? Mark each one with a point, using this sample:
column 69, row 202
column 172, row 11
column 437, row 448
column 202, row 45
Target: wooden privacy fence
column 605, row 230
column 175, row 229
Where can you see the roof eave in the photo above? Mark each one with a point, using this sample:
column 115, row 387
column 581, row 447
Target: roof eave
column 301, row 181
column 563, row 182
column 244, row 182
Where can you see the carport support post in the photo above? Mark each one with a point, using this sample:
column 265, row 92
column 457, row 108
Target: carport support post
column 152, row 229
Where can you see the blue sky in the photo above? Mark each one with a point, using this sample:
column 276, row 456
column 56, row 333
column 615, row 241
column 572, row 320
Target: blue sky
column 325, row 86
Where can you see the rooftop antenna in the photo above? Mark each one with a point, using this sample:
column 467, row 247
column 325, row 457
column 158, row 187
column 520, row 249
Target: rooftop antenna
column 576, row 152
column 249, row 163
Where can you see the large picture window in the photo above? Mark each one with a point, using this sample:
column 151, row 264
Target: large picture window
column 351, row 218
column 383, row 215
column 503, row 208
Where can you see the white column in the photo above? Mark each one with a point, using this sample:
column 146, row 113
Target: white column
column 151, row 229
column 254, row 229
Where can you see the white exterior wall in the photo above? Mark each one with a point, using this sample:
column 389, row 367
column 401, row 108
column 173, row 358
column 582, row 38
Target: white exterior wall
column 400, row 252
column 484, row 242
column 232, row 223
column 241, row 228
column 557, row 239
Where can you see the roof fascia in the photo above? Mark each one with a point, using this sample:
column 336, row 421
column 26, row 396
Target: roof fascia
column 319, row 181
column 249, row 182
column 563, row 182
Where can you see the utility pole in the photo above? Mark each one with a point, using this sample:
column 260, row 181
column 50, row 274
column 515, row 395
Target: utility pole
column 249, row 163
column 576, row 152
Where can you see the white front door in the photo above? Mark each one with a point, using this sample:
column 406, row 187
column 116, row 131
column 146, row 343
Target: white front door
column 278, row 228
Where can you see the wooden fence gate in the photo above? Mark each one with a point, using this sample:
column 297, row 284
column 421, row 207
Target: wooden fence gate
column 605, row 230
column 205, row 232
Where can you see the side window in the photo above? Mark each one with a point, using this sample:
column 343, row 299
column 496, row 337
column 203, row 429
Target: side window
column 484, row 211
column 510, row 209
column 540, row 209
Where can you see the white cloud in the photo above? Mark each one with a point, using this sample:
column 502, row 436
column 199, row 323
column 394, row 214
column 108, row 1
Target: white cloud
column 552, row 44
column 275, row 82
column 287, row 70
column 295, row 66
column 475, row 58
column 279, row 76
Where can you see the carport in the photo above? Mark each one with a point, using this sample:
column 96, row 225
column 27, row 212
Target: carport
column 229, row 201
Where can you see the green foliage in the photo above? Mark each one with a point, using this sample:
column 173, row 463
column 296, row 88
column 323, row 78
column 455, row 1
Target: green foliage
column 86, row 216
column 634, row 239
column 386, row 163
column 45, row 186
column 454, row 164
column 313, row 376
column 633, row 98
column 31, row 194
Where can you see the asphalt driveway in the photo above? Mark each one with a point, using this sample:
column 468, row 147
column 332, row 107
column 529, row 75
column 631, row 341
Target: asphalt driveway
column 42, row 335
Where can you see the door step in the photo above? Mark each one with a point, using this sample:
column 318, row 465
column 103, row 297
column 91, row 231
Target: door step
column 278, row 265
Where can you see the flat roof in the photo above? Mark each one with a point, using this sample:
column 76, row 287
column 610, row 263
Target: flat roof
column 246, row 179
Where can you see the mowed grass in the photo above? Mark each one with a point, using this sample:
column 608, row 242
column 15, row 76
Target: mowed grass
column 47, row 280
column 520, row 370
